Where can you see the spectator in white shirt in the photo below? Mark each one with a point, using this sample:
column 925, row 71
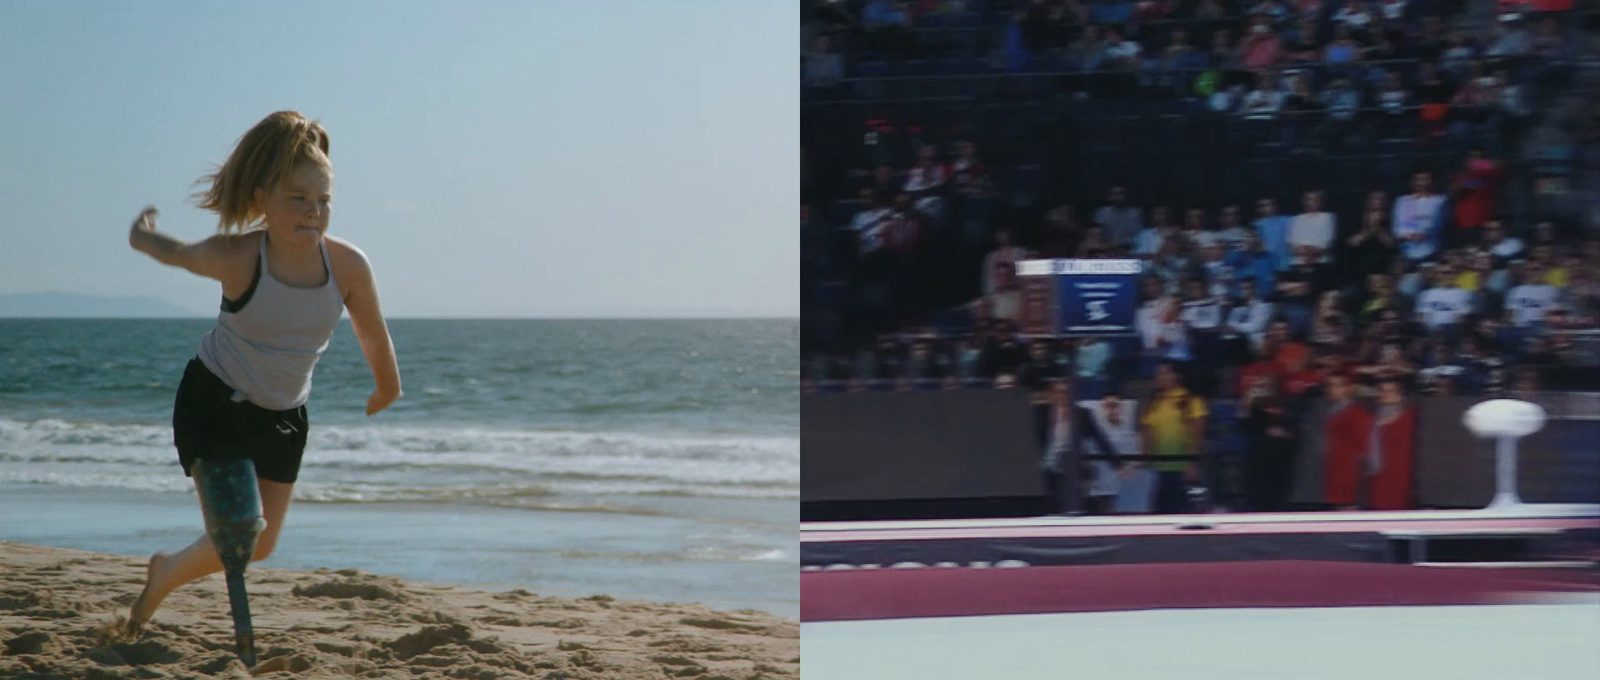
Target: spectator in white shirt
column 1196, row 232
column 1005, row 302
column 1393, row 98
column 869, row 223
column 1341, row 101
column 1220, row 277
column 1226, row 99
column 1416, row 218
column 1122, row 221
column 1354, row 14
column 1393, row 10
column 1503, row 248
column 1148, row 241
column 1248, row 318
column 1529, row 300
column 1163, row 333
column 1118, row 420
column 1233, row 232
column 1122, row 52
column 1004, row 253
column 1201, row 311
column 1313, row 228
column 1202, row 315
column 925, row 181
column 1263, row 102
column 1269, row 8
column 1444, row 304
column 1511, row 39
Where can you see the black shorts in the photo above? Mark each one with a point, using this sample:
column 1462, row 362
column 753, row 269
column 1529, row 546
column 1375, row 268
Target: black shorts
column 208, row 424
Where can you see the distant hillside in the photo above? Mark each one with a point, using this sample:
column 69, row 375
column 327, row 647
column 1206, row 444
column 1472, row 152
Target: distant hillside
column 76, row 305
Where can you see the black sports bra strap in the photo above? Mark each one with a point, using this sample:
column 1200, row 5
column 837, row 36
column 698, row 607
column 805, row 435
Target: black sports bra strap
column 236, row 306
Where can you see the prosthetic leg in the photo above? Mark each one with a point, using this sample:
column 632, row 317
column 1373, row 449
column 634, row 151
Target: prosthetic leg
column 231, row 502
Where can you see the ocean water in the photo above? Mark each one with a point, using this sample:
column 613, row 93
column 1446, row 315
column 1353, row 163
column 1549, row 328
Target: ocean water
column 676, row 439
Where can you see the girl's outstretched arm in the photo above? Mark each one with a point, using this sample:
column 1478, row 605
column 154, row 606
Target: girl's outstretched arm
column 209, row 258
column 366, row 319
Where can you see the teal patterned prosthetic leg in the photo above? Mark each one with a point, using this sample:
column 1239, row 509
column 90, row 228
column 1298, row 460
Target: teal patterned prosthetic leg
column 231, row 501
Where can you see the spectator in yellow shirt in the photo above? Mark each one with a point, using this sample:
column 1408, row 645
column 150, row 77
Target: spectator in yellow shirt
column 1475, row 272
column 1174, row 425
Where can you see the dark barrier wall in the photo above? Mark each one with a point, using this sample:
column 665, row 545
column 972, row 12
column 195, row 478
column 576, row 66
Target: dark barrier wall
column 875, row 446
column 888, row 446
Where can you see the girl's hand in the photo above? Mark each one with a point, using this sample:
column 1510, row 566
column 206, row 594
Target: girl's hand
column 144, row 223
column 147, row 219
column 381, row 400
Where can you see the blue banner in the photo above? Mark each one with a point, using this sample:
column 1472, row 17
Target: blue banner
column 1080, row 297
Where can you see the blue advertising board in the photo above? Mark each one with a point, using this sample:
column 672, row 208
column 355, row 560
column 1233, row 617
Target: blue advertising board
column 1072, row 298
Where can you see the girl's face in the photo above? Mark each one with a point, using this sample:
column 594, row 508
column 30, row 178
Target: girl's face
column 298, row 207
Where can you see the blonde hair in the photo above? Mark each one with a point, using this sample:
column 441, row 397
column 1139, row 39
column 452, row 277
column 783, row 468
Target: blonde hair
column 263, row 157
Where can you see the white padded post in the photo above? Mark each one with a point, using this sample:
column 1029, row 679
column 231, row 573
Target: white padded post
column 1506, row 420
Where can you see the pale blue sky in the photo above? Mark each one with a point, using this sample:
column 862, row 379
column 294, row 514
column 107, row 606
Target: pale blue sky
column 518, row 158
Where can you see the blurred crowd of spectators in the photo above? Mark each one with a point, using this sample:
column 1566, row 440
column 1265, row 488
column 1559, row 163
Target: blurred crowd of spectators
column 1249, row 310
column 1431, row 290
column 1434, row 274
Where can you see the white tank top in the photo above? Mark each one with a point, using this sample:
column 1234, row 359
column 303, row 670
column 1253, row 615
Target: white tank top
column 267, row 346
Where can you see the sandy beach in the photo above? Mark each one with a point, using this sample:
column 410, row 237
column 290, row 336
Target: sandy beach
column 55, row 606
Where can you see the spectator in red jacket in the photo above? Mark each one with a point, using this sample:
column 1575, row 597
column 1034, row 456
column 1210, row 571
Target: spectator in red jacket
column 1475, row 189
column 1391, row 459
column 1349, row 438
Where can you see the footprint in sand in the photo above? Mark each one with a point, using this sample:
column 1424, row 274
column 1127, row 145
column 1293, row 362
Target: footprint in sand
column 418, row 643
column 501, row 620
column 50, row 614
column 38, row 642
column 144, row 653
column 688, row 645
column 13, row 599
column 559, row 624
column 349, row 590
column 721, row 624
column 293, row 664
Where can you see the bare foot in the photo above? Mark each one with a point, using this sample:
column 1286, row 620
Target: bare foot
column 145, row 605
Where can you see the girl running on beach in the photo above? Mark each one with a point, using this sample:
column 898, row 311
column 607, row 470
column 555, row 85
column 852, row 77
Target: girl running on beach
column 285, row 283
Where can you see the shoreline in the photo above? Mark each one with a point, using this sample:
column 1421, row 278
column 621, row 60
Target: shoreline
column 349, row 623
column 666, row 559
